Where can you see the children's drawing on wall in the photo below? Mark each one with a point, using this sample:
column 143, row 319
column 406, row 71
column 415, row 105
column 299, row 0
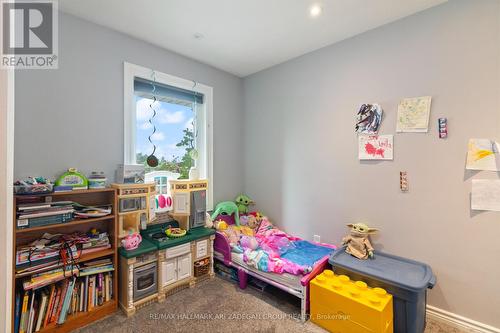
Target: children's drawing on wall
column 375, row 147
column 413, row 114
column 483, row 154
column 485, row 194
column 369, row 118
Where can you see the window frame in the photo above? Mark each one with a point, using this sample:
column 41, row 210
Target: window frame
column 204, row 118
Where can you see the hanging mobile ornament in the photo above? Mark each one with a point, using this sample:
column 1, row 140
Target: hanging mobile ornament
column 193, row 153
column 152, row 160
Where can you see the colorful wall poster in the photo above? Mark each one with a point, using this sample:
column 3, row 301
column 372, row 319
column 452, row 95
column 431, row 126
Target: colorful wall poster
column 483, row 154
column 368, row 119
column 413, row 114
column 485, row 194
column 375, row 147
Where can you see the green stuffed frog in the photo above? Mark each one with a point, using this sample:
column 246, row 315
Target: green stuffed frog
column 227, row 208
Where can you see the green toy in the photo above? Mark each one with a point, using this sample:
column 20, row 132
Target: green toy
column 243, row 201
column 74, row 179
column 227, row 208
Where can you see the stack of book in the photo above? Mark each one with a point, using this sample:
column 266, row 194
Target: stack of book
column 44, row 254
column 89, row 288
column 40, row 214
column 96, row 242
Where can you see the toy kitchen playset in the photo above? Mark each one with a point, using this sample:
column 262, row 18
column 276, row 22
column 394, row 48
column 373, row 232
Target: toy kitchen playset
column 172, row 255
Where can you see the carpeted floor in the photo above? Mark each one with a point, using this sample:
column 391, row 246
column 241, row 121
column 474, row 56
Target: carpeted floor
column 218, row 305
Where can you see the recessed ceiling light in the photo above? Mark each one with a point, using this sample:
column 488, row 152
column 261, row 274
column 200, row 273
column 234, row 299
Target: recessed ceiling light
column 315, row 10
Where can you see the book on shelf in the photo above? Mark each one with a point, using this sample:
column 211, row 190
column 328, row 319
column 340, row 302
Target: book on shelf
column 24, row 313
column 17, row 311
column 55, row 304
column 50, row 305
column 41, row 214
column 44, row 254
column 41, row 311
column 31, row 314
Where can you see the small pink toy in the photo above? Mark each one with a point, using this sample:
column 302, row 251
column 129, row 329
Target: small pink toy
column 131, row 241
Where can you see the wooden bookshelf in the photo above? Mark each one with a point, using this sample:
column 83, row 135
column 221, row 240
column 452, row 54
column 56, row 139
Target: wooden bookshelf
column 107, row 223
column 82, row 319
column 65, row 225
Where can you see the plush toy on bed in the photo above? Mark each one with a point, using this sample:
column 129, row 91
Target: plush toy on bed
column 243, row 201
column 358, row 241
column 249, row 221
column 227, row 208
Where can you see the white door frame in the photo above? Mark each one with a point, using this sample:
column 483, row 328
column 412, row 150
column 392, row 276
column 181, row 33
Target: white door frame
column 6, row 194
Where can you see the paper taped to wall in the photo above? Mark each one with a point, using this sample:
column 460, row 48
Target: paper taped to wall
column 413, row 114
column 375, row 147
column 368, row 119
column 483, row 154
column 485, row 194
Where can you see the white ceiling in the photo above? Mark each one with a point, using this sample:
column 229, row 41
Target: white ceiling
column 242, row 36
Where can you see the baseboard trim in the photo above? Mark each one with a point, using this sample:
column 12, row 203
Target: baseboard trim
column 458, row 321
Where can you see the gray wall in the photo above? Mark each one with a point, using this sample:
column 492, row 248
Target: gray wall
column 301, row 149
column 73, row 116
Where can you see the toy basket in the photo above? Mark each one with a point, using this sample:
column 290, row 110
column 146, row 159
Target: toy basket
column 33, row 189
column 201, row 267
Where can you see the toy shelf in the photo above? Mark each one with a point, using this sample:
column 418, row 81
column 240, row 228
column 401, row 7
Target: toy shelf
column 109, row 223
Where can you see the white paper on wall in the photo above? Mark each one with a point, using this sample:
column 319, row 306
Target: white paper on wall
column 413, row 114
column 485, row 194
column 483, row 154
column 375, row 147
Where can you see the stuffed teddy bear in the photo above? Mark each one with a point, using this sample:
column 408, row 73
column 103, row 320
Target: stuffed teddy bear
column 358, row 241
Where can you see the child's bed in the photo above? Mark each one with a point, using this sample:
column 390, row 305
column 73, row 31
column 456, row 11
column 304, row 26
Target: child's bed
column 297, row 285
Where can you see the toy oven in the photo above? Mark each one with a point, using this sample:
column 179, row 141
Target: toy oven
column 145, row 281
column 131, row 204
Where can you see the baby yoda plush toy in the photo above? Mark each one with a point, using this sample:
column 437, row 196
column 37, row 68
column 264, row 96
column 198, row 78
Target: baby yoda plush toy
column 358, row 241
column 243, row 201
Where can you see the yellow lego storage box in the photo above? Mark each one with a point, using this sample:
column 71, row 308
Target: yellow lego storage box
column 340, row 305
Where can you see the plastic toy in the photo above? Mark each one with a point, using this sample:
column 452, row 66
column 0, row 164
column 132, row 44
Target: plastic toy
column 358, row 241
column 209, row 223
column 403, row 181
column 132, row 240
column 220, row 225
column 175, row 232
column 227, row 208
column 243, row 201
column 97, row 179
column 443, row 128
column 341, row 305
column 74, row 179
column 33, row 185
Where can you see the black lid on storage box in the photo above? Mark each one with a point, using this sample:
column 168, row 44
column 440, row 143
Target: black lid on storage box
column 394, row 270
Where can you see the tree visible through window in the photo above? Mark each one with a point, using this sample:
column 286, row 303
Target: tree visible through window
column 174, row 138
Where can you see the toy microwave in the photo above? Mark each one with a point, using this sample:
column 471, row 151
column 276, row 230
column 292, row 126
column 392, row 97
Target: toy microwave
column 130, row 174
column 131, row 204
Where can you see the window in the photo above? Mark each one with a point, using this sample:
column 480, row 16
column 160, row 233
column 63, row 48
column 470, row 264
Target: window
column 181, row 129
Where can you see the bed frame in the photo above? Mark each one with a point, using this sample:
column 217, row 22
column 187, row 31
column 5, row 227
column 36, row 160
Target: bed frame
column 222, row 252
